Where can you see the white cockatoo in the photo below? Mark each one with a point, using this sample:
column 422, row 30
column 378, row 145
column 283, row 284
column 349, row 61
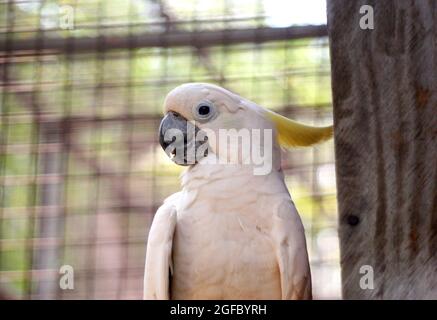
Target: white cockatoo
column 232, row 232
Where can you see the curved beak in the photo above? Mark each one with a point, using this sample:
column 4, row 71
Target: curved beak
column 177, row 136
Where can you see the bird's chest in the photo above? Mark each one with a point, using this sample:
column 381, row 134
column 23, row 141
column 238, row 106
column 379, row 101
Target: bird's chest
column 223, row 247
column 222, row 223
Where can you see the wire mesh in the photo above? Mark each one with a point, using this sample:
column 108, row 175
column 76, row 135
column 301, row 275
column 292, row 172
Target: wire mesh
column 81, row 171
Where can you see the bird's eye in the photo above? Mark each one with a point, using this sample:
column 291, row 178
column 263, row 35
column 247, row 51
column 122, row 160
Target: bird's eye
column 204, row 111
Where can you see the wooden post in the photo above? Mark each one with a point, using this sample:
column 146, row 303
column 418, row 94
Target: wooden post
column 384, row 84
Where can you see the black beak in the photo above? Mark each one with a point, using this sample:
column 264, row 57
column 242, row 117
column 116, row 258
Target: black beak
column 177, row 137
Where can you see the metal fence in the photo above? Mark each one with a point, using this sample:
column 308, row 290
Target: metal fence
column 81, row 172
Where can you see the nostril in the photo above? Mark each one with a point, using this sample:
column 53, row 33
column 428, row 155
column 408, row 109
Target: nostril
column 177, row 115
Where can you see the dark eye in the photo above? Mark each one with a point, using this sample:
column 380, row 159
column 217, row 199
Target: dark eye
column 204, row 111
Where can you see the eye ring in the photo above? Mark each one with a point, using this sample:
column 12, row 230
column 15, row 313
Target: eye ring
column 204, row 111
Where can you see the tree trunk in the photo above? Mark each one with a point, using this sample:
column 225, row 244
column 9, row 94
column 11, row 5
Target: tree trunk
column 384, row 84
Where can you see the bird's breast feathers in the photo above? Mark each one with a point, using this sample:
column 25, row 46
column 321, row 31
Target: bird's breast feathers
column 224, row 252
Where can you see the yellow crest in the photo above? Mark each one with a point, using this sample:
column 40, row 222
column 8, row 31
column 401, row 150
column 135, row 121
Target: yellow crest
column 294, row 134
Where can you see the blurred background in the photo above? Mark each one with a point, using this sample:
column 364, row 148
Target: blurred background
column 82, row 87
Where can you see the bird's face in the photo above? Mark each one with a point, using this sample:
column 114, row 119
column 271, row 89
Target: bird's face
column 191, row 111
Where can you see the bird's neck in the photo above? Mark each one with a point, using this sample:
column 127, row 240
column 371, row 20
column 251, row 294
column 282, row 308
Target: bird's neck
column 218, row 176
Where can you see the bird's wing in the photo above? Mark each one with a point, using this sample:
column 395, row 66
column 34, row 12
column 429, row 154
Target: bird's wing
column 159, row 266
column 291, row 252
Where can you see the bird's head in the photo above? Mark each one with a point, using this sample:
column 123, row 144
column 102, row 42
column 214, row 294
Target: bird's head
column 203, row 118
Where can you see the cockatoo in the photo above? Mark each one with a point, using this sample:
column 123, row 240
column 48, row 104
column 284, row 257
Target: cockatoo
column 231, row 233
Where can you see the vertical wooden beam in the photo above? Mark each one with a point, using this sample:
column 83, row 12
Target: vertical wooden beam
column 385, row 113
